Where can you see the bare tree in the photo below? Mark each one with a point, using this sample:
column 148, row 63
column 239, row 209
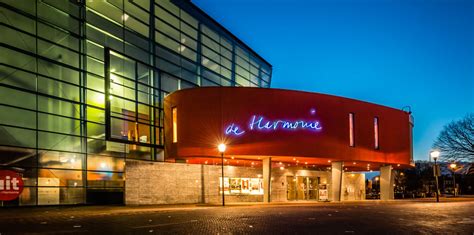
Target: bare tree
column 456, row 140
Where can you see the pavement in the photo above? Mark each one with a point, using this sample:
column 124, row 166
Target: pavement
column 421, row 216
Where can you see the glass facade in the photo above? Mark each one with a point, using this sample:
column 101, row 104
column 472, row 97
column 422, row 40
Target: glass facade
column 82, row 84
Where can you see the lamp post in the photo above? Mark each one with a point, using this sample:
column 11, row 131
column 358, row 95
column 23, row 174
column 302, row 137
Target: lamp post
column 453, row 168
column 435, row 154
column 221, row 148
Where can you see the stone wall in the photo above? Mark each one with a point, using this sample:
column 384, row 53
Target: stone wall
column 178, row 183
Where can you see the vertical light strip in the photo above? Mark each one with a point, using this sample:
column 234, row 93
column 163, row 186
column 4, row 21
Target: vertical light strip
column 351, row 129
column 376, row 132
column 174, row 110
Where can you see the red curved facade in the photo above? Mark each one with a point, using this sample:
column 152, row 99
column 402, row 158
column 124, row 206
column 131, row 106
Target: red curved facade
column 295, row 127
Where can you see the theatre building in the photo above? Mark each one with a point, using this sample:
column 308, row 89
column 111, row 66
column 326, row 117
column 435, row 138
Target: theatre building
column 126, row 101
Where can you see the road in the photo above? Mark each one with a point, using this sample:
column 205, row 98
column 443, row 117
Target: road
column 370, row 217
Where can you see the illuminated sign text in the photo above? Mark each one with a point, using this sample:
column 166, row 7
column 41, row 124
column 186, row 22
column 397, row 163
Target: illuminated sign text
column 260, row 123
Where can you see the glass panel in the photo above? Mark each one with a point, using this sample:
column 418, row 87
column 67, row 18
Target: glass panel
column 68, row 7
column 28, row 196
column 59, row 142
column 143, row 112
column 17, row 59
column 58, row 36
column 95, row 83
column 95, row 50
column 102, row 163
column 143, row 134
column 58, row 53
column 125, row 130
column 143, row 74
column 241, row 81
column 17, row 78
column 211, row 54
column 123, row 108
column 167, row 29
column 16, row 137
column 53, row 159
column 211, row 65
column 189, row 30
column 20, row 157
column 59, row 124
column 168, row 67
column 56, row 178
column 103, row 38
column 122, row 66
column 132, row 9
column 189, row 19
column 139, row 152
column 57, row 17
column 117, row 89
column 163, row 14
column 57, row 71
column 209, row 32
column 104, row 179
column 16, row 19
column 72, row 196
column 95, row 115
column 109, row 10
column 17, row 117
column 166, row 54
column 59, row 89
column 167, row 42
column 210, row 43
column 11, row 36
column 55, row 106
column 169, row 83
column 137, row 26
column 96, row 131
column 95, row 98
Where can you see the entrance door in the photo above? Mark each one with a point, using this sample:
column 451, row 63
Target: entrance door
column 313, row 184
column 302, row 188
column 290, row 188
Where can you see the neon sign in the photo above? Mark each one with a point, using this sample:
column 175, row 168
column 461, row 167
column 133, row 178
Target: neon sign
column 260, row 123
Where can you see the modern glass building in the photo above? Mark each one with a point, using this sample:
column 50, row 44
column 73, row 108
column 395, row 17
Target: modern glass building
column 82, row 84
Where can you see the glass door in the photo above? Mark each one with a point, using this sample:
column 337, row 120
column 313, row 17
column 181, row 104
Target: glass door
column 302, row 188
column 291, row 188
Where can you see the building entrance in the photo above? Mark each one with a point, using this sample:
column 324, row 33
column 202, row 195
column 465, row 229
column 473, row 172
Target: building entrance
column 302, row 188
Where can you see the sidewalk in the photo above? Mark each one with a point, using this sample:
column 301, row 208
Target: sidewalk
column 94, row 210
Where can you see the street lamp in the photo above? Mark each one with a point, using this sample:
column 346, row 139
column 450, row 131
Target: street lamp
column 435, row 154
column 221, row 148
column 453, row 168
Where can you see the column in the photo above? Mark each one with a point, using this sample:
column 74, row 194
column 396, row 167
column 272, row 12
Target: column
column 267, row 176
column 386, row 183
column 336, row 180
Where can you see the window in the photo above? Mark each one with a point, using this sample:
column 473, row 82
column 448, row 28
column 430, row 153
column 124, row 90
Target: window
column 174, row 110
column 351, row 130
column 129, row 90
column 376, row 132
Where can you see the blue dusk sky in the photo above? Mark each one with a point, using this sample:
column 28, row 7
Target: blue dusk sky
column 391, row 52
